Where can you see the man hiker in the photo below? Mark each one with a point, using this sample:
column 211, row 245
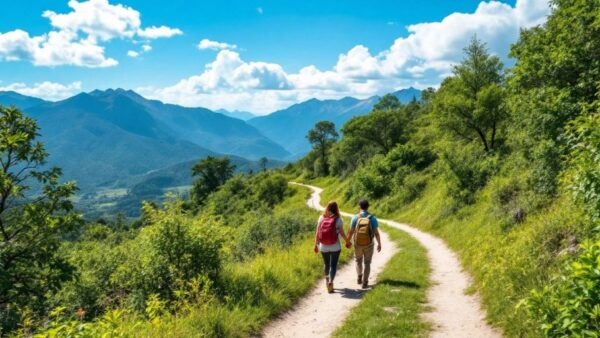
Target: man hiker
column 364, row 227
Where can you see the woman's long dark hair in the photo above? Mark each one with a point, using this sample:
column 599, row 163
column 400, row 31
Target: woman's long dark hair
column 332, row 210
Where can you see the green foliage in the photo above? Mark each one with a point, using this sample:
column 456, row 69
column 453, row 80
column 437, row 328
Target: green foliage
column 570, row 307
column 264, row 230
column 212, row 172
column 554, row 80
column 583, row 173
column 492, row 189
column 467, row 171
column 470, row 104
column 183, row 247
column 271, row 189
column 243, row 194
column 32, row 222
column 387, row 102
column 322, row 136
column 380, row 130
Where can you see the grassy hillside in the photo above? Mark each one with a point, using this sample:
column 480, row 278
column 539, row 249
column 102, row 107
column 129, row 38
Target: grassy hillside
column 507, row 260
column 223, row 270
column 500, row 163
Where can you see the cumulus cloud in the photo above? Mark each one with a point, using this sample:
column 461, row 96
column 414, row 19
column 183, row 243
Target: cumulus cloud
column 46, row 90
column 215, row 45
column 421, row 58
column 133, row 54
column 76, row 37
column 158, row 32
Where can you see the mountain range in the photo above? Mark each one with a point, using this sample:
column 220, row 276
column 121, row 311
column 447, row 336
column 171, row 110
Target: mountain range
column 242, row 115
column 117, row 139
column 289, row 126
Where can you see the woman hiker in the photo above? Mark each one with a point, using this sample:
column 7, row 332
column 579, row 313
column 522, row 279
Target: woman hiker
column 329, row 227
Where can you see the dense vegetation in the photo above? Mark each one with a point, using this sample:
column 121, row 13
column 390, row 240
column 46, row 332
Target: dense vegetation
column 501, row 163
column 221, row 262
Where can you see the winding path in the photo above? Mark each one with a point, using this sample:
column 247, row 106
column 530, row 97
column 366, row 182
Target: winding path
column 454, row 314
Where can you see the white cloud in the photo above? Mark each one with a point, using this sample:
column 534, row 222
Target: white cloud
column 134, row 54
column 422, row 58
column 215, row 45
column 97, row 19
column 77, row 36
column 51, row 91
column 158, row 32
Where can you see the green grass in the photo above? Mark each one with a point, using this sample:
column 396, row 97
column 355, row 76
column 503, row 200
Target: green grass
column 392, row 308
column 506, row 260
column 250, row 294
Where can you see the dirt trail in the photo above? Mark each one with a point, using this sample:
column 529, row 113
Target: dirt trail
column 454, row 314
column 318, row 314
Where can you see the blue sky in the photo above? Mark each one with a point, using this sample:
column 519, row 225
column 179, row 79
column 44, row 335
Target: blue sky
column 258, row 55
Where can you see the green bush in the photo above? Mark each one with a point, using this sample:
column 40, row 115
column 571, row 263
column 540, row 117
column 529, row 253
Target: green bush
column 570, row 305
column 370, row 181
column 263, row 230
column 583, row 174
column 467, row 170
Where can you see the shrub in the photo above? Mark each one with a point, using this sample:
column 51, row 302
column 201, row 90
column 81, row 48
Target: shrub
column 570, row 306
column 370, row 181
column 468, row 170
column 583, row 175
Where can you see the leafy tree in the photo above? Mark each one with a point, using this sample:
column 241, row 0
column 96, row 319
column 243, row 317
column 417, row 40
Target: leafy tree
column 262, row 162
column 470, row 104
column 322, row 136
column 212, row 172
column 32, row 222
column 387, row 102
column 381, row 129
column 554, row 80
column 271, row 189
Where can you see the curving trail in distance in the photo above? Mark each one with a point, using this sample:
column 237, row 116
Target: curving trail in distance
column 454, row 314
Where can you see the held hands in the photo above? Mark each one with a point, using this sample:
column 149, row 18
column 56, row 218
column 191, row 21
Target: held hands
column 348, row 244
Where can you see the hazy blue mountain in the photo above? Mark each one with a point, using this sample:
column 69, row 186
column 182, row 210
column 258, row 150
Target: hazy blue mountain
column 15, row 99
column 289, row 126
column 214, row 131
column 242, row 115
column 102, row 140
column 407, row 94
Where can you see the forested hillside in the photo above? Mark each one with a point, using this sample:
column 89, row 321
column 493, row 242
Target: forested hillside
column 501, row 163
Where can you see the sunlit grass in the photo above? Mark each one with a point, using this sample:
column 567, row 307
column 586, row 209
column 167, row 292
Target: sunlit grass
column 392, row 307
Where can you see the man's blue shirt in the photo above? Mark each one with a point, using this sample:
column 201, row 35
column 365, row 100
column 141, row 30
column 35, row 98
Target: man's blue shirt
column 363, row 213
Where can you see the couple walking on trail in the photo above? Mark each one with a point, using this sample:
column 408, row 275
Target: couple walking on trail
column 363, row 231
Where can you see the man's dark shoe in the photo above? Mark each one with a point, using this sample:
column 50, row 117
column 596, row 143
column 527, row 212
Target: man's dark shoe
column 359, row 280
column 365, row 285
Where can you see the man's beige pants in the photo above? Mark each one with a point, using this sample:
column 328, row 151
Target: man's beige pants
column 363, row 254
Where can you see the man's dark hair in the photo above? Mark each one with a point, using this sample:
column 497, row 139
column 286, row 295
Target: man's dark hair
column 363, row 204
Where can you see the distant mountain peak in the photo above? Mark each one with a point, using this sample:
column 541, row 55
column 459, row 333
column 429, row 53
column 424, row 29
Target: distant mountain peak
column 238, row 114
column 12, row 98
